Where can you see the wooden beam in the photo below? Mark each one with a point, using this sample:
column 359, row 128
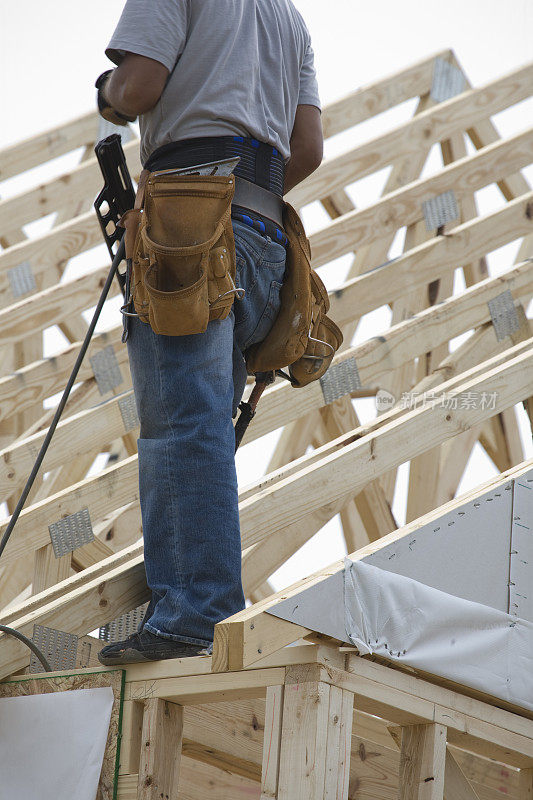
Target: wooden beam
column 333, row 476
column 96, row 426
column 404, row 206
column 83, row 181
column 423, row 130
column 123, row 491
column 377, row 97
column 270, row 632
column 315, row 739
column 433, row 259
column 272, row 742
column 161, row 743
column 401, row 343
column 373, row 517
column 422, row 762
column 484, row 133
column 456, row 785
column 113, row 488
column 473, row 724
column 403, row 171
column 241, row 735
column 49, row 570
column 390, row 694
column 273, row 632
column 339, row 744
column 52, row 143
column 35, row 382
column 78, row 605
column 402, row 378
column 424, row 471
column 202, row 689
column 51, row 306
column 196, row 779
column 514, row 220
column 50, row 251
column 262, row 559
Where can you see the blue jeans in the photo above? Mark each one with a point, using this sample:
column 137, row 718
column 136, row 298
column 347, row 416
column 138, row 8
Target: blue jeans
column 187, row 388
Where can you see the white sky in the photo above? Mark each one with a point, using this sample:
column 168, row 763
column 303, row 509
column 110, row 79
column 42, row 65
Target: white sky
column 51, row 53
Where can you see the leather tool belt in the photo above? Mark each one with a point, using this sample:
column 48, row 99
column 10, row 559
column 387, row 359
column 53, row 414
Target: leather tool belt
column 182, row 252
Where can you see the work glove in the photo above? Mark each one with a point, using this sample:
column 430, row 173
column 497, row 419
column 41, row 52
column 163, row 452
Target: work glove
column 104, row 108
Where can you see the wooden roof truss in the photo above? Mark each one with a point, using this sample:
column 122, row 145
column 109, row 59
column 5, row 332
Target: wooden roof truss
column 251, row 719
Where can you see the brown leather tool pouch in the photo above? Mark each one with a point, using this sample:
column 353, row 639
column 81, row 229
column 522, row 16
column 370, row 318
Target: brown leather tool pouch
column 302, row 337
column 184, row 253
column 323, row 341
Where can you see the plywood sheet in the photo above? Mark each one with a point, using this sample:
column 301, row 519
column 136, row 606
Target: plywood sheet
column 113, row 679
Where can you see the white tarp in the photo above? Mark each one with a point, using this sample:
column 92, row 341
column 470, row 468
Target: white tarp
column 472, row 644
column 52, row 745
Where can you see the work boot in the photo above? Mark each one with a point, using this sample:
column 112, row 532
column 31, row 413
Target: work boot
column 146, row 646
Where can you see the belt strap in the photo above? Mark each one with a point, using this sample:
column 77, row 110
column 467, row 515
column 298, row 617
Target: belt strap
column 254, row 197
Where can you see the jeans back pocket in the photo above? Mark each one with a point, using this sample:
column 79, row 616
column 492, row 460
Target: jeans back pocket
column 269, row 314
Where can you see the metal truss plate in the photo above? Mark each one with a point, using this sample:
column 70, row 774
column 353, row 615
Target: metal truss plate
column 340, row 379
column 106, row 128
column 106, row 369
column 59, row 647
column 521, row 567
column 128, row 412
column 123, row 626
column 440, row 209
column 504, row 315
column 21, row 279
column 448, row 81
column 71, row 532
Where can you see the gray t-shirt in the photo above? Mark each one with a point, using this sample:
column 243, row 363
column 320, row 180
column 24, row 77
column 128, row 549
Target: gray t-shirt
column 237, row 67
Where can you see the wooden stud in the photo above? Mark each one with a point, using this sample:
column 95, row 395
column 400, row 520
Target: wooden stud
column 456, row 784
column 304, row 735
column 339, row 744
column 272, row 743
column 161, row 743
column 130, row 743
column 422, row 762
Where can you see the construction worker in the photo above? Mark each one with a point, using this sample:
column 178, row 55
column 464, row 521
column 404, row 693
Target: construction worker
column 209, row 79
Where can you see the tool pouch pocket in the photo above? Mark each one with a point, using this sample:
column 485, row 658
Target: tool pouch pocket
column 323, row 341
column 184, row 255
column 303, row 338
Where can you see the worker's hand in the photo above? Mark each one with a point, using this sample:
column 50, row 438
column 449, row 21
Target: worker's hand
column 105, row 109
